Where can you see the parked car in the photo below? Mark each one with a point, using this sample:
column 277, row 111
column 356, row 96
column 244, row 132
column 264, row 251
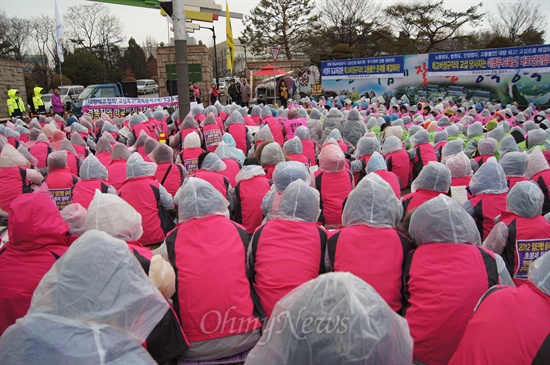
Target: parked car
column 146, row 86
column 113, row 90
column 47, row 99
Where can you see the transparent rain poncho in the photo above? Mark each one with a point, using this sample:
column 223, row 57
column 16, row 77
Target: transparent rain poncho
column 162, row 153
column 272, row 155
column 224, row 152
column 264, row 134
column 120, row 151
column 440, row 137
column 189, row 122
column 230, row 141
column 212, row 162
column 10, row 133
column 537, row 163
column 136, row 166
column 376, row 162
column 475, row 130
column 354, row 128
column 442, row 219
column 112, row 214
column 287, row 172
column 234, row 118
column 76, row 140
column 507, row 144
column 99, row 280
column 373, row 203
column 10, row 157
column 303, row 133
column 459, row 165
column 525, row 199
column 334, row 134
column 332, row 159
column 489, row 179
column 539, row 273
column 393, row 131
column 103, row 145
column 22, row 149
column 293, row 146
column 530, row 126
column 487, row 146
column 192, row 140
column 391, row 144
column 256, row 110
column 514, row 163
column 536, row 137
column 92, row 168
column 266, row 112
column 315, row 114
column 78, row 128
column 373, row 333
column 75, row 216
column 197, row 198
column 34, row 133
column 422, row 136
column 57, row 160
column 149, row 145
column 497, row 133
column 367, row 146
column 109, row 127
column 249, row 171
column 209, row 119
column 22, row 130
column 134, row 120
column 452, row 131
column 434, row 176
column 299, row 202
column 452, row 148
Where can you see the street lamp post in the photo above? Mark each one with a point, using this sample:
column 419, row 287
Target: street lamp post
column 213, row 30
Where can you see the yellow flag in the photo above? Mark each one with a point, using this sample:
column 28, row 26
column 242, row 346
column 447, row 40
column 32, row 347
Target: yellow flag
column 230, row 53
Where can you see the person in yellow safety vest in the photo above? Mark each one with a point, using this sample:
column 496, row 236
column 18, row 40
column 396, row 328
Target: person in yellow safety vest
column 37, row 101
column 16, row 106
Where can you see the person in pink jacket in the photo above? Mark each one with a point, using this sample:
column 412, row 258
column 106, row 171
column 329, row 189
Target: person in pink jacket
column 93, row 176
column 377, row 165
column 38, row 236
column 208, row 252
column 291, row 242
column 334, row 183
column 369, row 245
column 16, row 177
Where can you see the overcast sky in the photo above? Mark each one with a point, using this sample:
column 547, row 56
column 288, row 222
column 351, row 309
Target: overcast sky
column 140, row 23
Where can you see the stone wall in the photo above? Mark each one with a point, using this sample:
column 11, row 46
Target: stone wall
column 11, row 77
column 197, row 54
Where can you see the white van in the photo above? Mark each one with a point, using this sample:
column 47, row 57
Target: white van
column 147, row 86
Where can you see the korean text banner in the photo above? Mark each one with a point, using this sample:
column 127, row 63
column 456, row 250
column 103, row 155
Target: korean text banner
column 120, row 107
column 494, row 61
column 363, row 68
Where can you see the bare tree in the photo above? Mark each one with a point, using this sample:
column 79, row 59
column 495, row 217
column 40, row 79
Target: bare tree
column 92, row 26
column 518, row 20
column 350, row 21
column 17, row 35
column 42, row 37
column 425, row 26
column 149, row 45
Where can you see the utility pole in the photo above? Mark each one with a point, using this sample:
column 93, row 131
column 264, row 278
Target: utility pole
column 182, row 67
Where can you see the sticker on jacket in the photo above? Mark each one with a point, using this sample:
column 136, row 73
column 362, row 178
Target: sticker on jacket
column 62, row 197
column 191, row 165
column 212, row 137
column 528, row 251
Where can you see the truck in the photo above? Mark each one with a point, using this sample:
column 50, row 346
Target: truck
column 112, row 90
